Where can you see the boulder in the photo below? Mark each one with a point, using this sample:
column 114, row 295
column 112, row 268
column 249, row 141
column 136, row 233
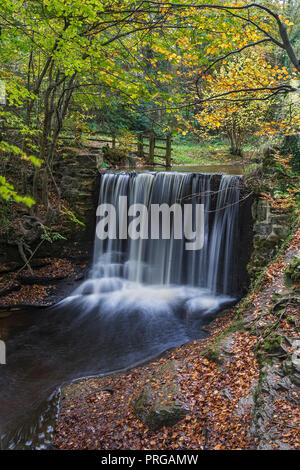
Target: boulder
column 159, row 404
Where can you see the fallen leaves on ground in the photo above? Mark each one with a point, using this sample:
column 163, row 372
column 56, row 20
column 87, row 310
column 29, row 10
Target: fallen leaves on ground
column 54, row 269
column 93, row 418
column 29, row 295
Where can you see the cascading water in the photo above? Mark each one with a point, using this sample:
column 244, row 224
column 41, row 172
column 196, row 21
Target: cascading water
column 165, row 262
column 142, row 297
column 124, row 268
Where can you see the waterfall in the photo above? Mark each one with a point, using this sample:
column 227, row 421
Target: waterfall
column 166, row 262
column 141, row 279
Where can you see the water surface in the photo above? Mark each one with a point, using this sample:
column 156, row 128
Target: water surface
column 83, row 336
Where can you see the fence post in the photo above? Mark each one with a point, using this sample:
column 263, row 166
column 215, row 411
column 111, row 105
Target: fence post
column 168, row 150
column 151, row 147
column 140, row 145
column 113, row 140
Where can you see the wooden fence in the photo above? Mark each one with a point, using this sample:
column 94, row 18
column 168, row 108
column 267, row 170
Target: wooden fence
column 145, row 145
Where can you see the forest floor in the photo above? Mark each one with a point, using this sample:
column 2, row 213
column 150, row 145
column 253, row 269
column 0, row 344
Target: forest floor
column 206, row 153
column 237, row 389
column 51, row 281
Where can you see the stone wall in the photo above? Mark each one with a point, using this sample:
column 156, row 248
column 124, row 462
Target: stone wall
column 79, row 182
column 78, row 177
column 270, row 228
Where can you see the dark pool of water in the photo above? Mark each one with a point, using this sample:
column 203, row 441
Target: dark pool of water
column 49, row 348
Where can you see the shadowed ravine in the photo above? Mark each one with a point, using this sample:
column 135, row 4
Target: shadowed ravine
column 142, row 298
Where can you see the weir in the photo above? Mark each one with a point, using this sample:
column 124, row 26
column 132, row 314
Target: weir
column 168, row 261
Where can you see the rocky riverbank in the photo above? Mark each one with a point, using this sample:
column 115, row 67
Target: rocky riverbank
column 237, row 389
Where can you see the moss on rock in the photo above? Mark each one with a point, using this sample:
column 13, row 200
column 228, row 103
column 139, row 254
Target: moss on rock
column 292, row 272
column 158, row 404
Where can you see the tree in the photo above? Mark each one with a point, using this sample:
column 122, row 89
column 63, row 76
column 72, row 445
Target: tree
column 237, row 120
column 247, row 26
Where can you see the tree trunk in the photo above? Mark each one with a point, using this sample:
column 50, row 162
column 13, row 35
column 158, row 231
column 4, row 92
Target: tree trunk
column 235, row 144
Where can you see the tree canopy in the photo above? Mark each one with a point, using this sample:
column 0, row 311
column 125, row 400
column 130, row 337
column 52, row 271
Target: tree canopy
column 169, row 64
